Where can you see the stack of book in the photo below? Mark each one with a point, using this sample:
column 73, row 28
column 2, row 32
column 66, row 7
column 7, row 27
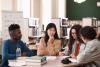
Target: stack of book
column 34, row 60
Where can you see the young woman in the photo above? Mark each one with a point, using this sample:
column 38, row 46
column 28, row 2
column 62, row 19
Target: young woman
column 75, row 44
column 92, row 49
column 50, row 44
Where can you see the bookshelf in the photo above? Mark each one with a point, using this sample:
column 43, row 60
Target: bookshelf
column 34, row 30
column 63, row 28
column 91, row 22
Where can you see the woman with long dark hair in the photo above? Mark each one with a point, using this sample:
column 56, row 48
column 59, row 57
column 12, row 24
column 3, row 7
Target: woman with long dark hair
column 50, row 44
column 75, row 43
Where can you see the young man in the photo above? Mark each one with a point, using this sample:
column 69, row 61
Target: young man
column 10, row 45
column 92, row 49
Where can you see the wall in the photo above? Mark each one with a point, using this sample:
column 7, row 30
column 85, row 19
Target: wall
column 7, row 4
column 61, row 8
column 36, row 8
column 86, row 9
column 54, row 8
column 58, row 8
column 46, row 12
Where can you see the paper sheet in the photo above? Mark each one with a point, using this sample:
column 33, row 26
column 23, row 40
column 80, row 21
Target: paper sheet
column 16, row 63
column 73, row 60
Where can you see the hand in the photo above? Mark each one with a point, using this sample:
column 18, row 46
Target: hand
column 51, row 39
column 73, row 56
column 61, row 53
column 24, row 54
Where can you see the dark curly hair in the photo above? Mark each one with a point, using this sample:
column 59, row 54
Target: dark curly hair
column 88, row 32
column 13, row 27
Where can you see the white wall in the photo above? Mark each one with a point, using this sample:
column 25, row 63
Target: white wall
column 46, row 12
column 54, row 8
column 24, row 5
column 62, row 8
column 45, row 9
column 36, row 8
column 7, row 4
column 58, row 8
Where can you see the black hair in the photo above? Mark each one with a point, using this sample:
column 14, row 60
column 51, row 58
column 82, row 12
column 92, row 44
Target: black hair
column 50, row 25
column 88, row 32
column 71, row 41
column 13, row 27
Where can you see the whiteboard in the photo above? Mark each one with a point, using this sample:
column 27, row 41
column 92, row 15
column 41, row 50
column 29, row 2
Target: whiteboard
column 10, row 17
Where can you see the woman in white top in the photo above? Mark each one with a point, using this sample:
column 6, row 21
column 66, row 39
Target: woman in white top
column 75, row 44
column 92, row 49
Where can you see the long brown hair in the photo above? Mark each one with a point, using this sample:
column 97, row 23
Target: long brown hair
column 71, row 39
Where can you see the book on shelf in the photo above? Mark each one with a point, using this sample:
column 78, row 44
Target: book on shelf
column 64, row 21
column 64, row 31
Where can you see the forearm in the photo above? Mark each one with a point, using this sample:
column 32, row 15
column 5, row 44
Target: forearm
column 11, row 56
column 53, row 51
column 42, row 52
column 42, row 49
column 83, row 58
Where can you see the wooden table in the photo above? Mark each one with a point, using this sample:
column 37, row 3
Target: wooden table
column 51, row 63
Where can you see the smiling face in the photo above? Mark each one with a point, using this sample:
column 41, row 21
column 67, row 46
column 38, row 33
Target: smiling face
column 73, row 33
column 51, row 32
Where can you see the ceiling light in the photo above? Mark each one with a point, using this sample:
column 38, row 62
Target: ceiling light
column 79, row 1
column 98, row 4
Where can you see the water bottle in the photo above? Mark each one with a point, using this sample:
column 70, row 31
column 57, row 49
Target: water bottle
column 18, row 52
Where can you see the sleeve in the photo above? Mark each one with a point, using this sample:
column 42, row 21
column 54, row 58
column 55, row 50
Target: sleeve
column 42, row 50
column 88, row 53
column 11, row 56
column 66, row 51
column 27, row 50
column 5, row 54
column 82, row 47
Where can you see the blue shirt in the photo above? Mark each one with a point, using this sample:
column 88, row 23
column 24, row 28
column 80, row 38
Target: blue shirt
column 9, row 49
